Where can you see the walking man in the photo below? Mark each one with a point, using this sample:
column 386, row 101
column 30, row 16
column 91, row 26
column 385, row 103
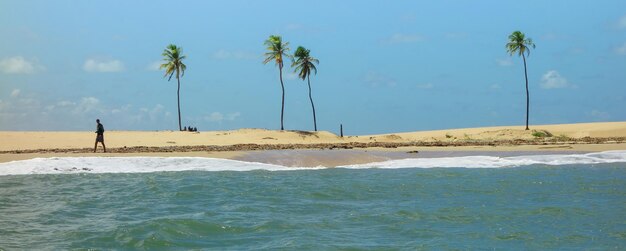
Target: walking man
column 99, row 136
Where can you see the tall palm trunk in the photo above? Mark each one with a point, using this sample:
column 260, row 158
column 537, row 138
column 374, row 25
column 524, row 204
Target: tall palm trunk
column 527, row 94
column 308, row 78
column 180, row 128
column 282, row 109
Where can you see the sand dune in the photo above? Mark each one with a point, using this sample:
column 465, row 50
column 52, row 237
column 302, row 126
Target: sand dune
column 143, row 143
column 603, row 130
column 114, row 139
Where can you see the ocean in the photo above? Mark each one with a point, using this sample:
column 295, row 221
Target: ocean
column 533, row 202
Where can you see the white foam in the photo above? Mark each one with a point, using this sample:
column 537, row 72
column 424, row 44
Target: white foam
column 172, row 164
column 130, row 165
column 498, row 162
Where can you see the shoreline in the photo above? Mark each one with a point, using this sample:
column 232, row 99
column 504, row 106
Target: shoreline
column 237, row 144
column 313, row 157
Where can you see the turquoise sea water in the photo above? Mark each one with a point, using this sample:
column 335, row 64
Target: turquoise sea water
column 538, row 206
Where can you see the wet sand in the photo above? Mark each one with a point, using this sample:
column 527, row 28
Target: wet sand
column 342, row 157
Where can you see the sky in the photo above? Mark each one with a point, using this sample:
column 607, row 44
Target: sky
column 384, row 66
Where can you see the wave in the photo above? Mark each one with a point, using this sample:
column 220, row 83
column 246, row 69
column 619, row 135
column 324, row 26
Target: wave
column 499, row 162
column 62, row 165
column 58, row 165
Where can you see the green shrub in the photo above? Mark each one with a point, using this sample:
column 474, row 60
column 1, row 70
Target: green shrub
column 563, row 137
column 542, row 134
column 467, row 137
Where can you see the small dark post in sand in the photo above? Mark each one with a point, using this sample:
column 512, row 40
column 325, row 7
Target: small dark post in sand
column 341, row 130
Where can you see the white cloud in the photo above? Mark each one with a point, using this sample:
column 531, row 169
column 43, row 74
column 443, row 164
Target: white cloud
column 28, row 101
column 622, row 22
column 60, row 104
column 18, row 65
column 291, row 76
column 92, row 65
column 552, row 80
column 41, row 113
column 65, row 103
column 87, row 104
column 495, row 86
column 152, row 114
column 600, row 114
column 221, row 54
column 154, row 66
column 215, row 117
column 219, row 117
column 237, row 54
column 621, row 50
column 124, row 108
column 374, row 80
column 504, row 62
column 293, row 26
column 553, row 36
column 233, row 116
column 89, row 101
column 404, row 38
column 31, row 109
column 155, row 112
column 15, row 93
column 425, row 86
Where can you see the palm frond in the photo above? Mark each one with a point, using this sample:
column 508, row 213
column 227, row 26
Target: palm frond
column 183, row 67
column 277, row 50
column 304, row 64
column 312, row 66
column 518, row 43
column 172, row 55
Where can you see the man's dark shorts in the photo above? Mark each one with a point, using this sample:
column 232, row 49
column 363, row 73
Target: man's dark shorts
column 100, row 138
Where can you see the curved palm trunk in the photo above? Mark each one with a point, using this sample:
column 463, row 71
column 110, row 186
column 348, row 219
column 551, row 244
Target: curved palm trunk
column 527, row 94
column 178, row 95
column 313, row 106
column 282, row 109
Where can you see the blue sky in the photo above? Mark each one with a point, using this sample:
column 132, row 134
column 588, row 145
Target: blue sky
column 385, row 66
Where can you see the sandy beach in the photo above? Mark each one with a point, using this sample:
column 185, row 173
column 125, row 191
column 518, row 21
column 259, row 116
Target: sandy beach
column 243, row 143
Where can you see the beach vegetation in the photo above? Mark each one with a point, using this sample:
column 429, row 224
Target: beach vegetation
column 448, row 136
column 562, row 137
column 518, row 43
column 541, row 134
column 277, row 50
column 304, row 64
column 173, row 57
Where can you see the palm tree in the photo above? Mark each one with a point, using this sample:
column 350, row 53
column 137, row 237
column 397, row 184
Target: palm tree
column 276, row 51
column 304, row 63
column 520, row 44
column 173, row 57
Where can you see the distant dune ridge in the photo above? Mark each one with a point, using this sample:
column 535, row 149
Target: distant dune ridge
column 583, row 136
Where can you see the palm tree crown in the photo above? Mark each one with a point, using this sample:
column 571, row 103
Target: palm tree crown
column 519, row 43
column 276, row 50
column 304, row 63
column 173, row 57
